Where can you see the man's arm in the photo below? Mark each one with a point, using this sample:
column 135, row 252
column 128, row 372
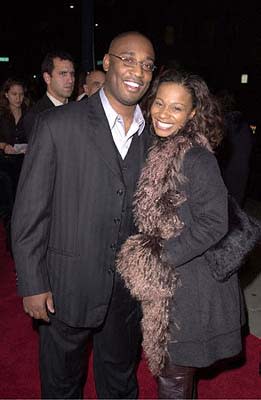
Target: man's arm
column 31, row 221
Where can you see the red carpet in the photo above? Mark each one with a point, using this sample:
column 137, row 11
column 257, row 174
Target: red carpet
column 19, row 377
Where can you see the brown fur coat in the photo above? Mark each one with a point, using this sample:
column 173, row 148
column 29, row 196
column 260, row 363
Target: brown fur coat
column 149, row 279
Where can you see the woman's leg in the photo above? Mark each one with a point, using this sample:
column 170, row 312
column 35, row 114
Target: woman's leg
column 177, row 382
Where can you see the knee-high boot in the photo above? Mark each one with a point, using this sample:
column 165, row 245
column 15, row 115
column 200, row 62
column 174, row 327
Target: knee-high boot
column 177, row 382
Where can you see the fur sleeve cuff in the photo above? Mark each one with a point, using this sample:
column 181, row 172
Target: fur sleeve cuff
column 140, row 265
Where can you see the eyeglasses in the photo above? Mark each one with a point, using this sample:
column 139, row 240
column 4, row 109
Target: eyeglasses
column 132, row 62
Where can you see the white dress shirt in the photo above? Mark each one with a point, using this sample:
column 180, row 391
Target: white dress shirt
column 121, row 139
column 55, row 101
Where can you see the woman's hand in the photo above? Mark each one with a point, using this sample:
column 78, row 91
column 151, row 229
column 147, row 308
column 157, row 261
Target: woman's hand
column 8, row 149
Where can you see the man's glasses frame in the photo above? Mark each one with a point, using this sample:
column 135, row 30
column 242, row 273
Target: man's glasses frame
column 132, row 62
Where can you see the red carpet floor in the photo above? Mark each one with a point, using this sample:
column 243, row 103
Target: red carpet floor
column 19, row 378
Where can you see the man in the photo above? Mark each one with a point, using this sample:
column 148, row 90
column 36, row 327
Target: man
column 72, row 213
column 93, row 82
column 58, row 73
column 235, row 152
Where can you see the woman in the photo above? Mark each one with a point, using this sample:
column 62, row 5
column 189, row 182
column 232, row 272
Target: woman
column 13, row 106
column 190, row 320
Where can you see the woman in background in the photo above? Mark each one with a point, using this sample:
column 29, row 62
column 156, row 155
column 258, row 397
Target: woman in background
column 13, row 106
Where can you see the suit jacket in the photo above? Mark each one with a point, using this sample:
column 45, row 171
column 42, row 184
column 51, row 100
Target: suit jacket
column 29, row 119
column 71, row 192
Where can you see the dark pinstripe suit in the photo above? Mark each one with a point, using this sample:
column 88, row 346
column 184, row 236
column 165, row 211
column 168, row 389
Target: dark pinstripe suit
column 73, row 210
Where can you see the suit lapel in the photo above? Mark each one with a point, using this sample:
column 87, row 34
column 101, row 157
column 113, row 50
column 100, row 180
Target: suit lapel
column 100, row 134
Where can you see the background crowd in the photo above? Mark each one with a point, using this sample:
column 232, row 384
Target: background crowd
column 19, row 106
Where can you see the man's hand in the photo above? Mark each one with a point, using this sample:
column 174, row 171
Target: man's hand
column 36, row 306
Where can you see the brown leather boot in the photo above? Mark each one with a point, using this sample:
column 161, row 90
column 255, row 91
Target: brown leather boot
column 177, row 382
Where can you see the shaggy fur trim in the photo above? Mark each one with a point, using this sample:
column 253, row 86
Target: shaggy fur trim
column 226, row 257
column 146, row 276
column 153, row 283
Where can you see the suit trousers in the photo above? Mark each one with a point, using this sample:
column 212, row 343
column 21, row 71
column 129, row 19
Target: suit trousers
column 116, row 347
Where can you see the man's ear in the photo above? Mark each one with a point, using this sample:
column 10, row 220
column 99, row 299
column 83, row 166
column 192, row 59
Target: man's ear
column 46, row 78
column 106, row 62
column 85, row 88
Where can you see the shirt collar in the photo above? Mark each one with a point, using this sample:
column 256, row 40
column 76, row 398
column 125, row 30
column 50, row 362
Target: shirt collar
column 112, row 115
column 55, row 101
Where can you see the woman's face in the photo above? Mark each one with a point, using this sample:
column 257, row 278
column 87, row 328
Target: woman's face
column 171, row 109
column 15, row 96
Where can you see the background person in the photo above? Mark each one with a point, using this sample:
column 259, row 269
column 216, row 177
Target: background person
column 72, row 213
column 190, row 320
column 58, row 73
column 235, row 152
column 13, row 105
column 93, row 82
column 78, row 92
